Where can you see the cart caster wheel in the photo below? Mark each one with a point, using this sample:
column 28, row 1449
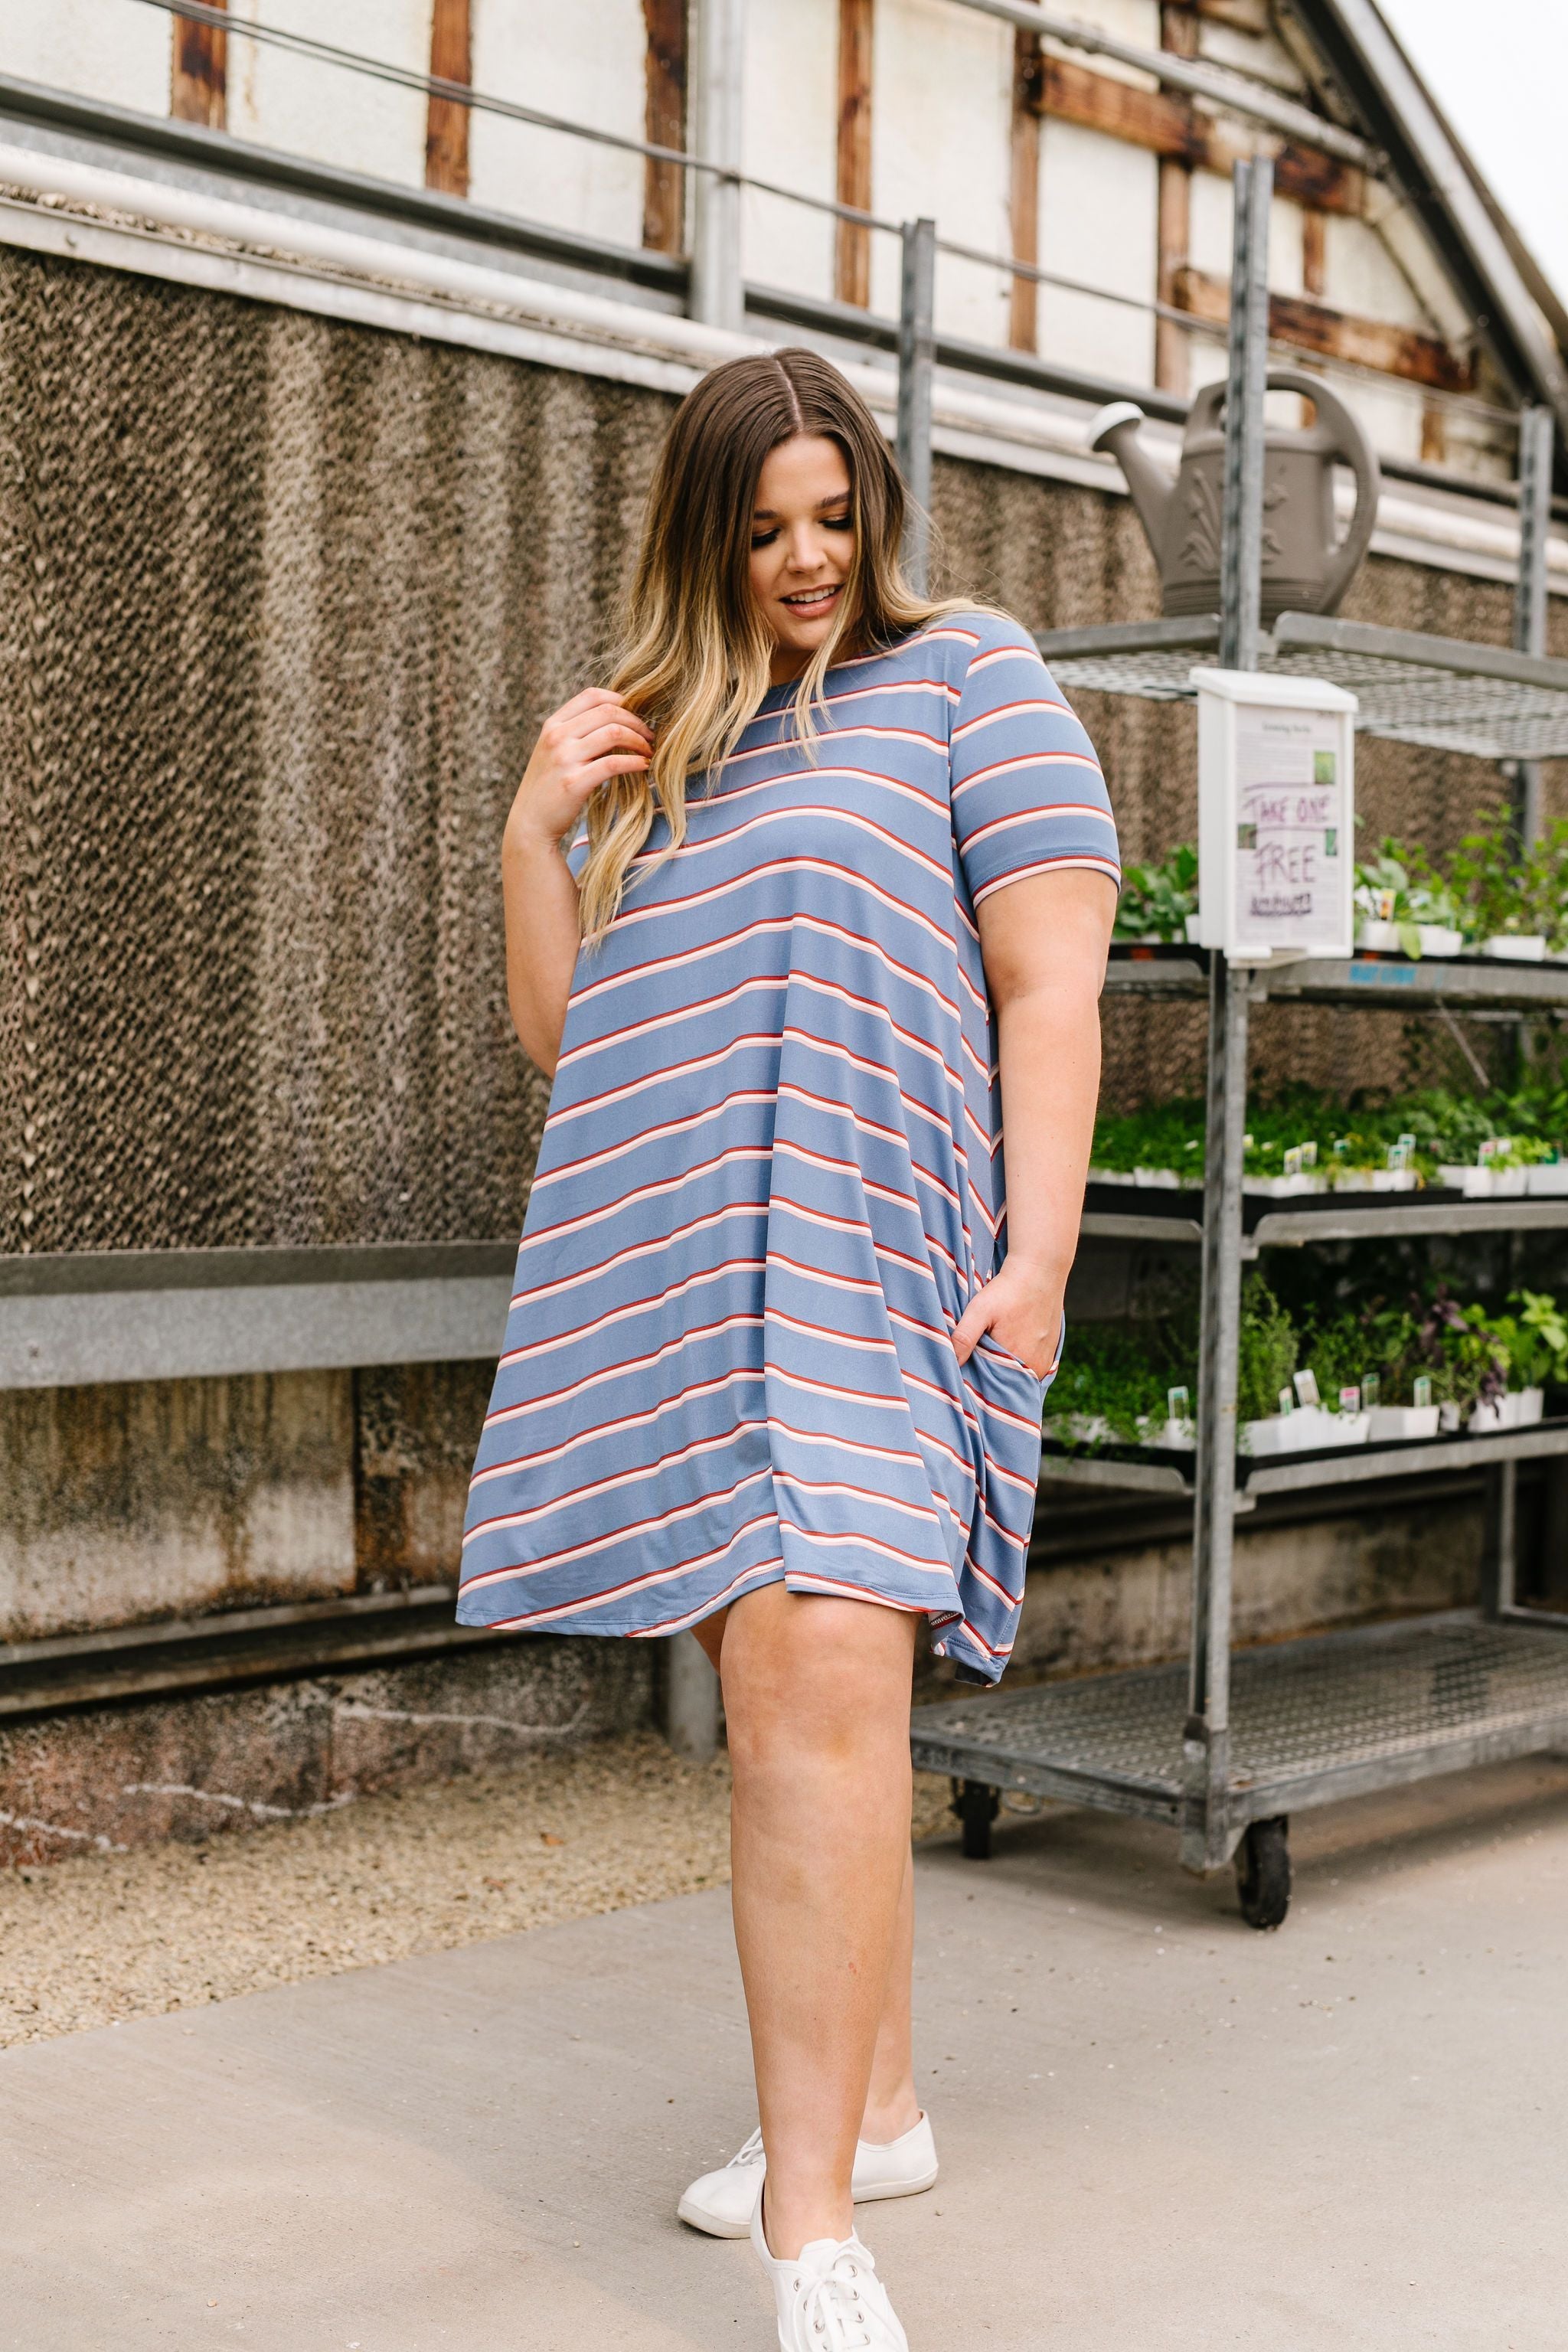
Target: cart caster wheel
column 1263, row 1873
column 977, row 1806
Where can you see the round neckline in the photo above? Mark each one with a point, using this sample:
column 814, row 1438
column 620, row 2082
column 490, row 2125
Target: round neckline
column 770, row 698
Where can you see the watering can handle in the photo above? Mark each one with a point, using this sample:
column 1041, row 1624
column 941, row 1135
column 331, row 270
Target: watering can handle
column 1350, row 442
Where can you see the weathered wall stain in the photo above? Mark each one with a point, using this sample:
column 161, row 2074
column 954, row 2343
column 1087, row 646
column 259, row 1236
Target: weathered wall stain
column 128, row 1502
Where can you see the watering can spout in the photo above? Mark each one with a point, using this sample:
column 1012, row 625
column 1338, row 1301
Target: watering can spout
column 1117, row 428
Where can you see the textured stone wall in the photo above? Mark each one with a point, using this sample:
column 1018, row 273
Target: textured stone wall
column 109, row 1776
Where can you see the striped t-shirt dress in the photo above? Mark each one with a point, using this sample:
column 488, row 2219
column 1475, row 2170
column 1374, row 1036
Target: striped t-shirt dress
column 771, row 1180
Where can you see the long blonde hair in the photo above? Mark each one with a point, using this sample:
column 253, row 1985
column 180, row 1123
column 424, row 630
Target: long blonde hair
column 695, row 652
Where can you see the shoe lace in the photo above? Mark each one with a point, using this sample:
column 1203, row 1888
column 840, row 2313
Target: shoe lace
column 830, row 2315
column 750, row 2152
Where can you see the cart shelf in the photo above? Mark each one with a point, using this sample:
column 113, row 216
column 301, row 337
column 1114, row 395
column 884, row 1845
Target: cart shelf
column 1465, row 983
column 1411, row 688
column 1156, row 1470
column 1333, row 1716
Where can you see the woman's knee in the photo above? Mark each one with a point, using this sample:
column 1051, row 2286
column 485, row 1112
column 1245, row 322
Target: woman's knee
column 815, row 1677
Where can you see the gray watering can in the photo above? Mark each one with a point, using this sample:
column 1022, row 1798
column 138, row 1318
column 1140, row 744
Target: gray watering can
column 1307, row 567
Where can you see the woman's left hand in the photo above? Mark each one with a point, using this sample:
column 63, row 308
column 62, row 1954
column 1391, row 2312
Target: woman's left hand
column 1022, row 1310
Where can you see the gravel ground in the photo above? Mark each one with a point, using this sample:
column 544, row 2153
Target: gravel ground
column 100, row 1938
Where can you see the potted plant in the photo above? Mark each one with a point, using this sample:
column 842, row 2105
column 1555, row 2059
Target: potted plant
column 1404, row 906
column 1499, row 893
column 1158, row 902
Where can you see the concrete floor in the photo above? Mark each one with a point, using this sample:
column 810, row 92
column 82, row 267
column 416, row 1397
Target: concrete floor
column 1159, row 2129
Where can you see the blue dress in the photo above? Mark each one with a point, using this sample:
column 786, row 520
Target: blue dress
column 771, row 1180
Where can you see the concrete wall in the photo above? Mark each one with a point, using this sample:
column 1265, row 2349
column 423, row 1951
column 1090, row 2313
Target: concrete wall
column 105, row 1778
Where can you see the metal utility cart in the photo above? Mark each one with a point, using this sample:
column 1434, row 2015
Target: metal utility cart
column 1226, row 1747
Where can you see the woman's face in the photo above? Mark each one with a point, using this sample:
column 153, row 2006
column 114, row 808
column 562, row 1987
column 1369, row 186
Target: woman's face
column 802, row 542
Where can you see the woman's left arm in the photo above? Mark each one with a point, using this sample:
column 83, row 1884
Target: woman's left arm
column 1043, row 940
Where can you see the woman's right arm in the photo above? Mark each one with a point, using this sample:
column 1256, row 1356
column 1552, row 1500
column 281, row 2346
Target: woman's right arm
column 580, row 747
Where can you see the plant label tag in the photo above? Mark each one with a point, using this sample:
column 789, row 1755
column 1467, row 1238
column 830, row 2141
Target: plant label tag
column 1277, row 816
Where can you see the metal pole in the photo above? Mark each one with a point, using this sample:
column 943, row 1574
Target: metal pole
column 1205, row 1826
column 718, row 42
column 1241, row 520
column 1536, row 428
column 917, row 369
column 690, row 1700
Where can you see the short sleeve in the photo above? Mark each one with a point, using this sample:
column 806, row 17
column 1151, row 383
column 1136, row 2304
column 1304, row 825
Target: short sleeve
column 1027, row 795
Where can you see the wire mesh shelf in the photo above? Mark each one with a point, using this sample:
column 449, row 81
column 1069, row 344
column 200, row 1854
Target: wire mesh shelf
column 1310, row 1720
column 1442, row 692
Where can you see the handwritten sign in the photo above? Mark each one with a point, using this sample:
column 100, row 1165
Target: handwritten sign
column 1291, row 836
column 1277, row 816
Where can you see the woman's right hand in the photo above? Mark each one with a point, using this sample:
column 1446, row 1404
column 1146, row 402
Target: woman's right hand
column 589, row 739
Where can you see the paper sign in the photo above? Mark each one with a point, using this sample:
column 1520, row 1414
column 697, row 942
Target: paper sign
column 1290, row 834
column 1276, row 814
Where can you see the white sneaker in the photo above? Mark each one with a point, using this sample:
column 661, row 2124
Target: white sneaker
column 829, row 2299
column 722, row 2202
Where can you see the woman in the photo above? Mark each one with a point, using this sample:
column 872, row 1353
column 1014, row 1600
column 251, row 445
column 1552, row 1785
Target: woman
column 776, row 1363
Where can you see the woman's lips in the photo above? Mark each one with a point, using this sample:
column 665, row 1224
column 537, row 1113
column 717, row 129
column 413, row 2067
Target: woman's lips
column 812, row 600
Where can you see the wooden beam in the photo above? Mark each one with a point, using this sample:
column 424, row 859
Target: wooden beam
column 852, row 259
column 446, row 118
column 1314, row 254
column 1172, row 126
column 664, row 123
column 1179, row 34
column 1336, row 334
column 198, row 82
column 1023, row 197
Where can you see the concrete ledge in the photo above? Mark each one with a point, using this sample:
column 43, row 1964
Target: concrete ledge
column 69, row 1321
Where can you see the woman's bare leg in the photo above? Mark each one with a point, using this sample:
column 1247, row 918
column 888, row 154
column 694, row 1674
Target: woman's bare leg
column 893, row 2102
column 816, row 1696
column 893, row 2105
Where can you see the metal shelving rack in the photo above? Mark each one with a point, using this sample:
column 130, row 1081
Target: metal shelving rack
column 1226, row 1747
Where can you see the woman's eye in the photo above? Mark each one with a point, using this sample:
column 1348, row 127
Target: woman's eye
column 763, row 539
column 836, row 522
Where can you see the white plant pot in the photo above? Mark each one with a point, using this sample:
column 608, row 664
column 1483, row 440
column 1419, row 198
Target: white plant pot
column 1490, row 1420
column 1172, row 1436
column 1529, row 1404
column 1394, row 1180
column 1510, row 1183
column 1310, row 1429
column 1475, row 1183
column 1111, row 1176
column 1080, row 1429
column 1395, row 1423
column 1377, row 938
column 1157, row 1180
column 1516, row 947
column 1448, row 1420
column 1547, row 1179
column 1277, row 1433
column 1439, row 939
column 1285, row 1188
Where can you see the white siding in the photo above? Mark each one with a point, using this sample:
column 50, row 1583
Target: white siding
column 331, row 113
column 940, row 145
column 1137, row 21
column 1362, row 275
column 1099, row 223
column 120, row 54
column 1266, row 59
column 583, row 60
column 791, row 137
